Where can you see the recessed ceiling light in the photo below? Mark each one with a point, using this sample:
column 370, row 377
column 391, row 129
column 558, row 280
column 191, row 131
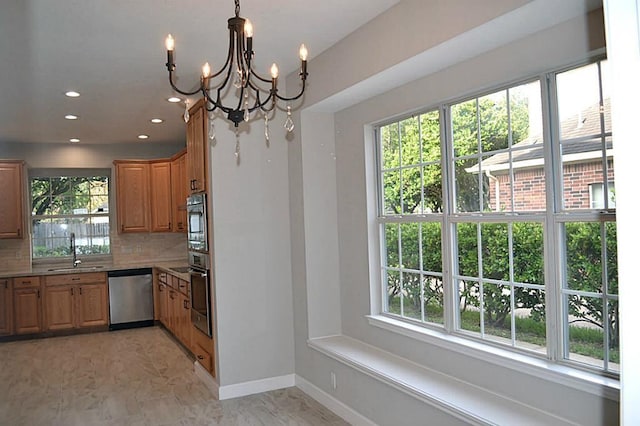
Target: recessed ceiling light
column 72, row 94
column 74, row 140
column 71, row 117
column 143, row 137
column 174, row 100
column 156, row 120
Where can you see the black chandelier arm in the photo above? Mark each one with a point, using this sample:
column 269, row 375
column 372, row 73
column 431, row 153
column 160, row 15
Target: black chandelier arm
column 182, row 92
column 293, row 98
column 256, row 75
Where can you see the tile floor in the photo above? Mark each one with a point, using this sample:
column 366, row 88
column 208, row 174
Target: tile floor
column 129, row 377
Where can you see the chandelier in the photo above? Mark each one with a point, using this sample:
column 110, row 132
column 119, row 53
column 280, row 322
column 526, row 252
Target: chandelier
column 238, row 74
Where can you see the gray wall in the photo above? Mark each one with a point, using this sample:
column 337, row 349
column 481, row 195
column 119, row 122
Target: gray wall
column 331, row 150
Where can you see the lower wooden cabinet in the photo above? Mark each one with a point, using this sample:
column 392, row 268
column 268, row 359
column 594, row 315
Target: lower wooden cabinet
column 76, row 301
column 203, row 350
column 27, row 305
column 6, row 306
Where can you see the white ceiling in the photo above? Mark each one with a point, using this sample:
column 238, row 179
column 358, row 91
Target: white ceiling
column 113, row 53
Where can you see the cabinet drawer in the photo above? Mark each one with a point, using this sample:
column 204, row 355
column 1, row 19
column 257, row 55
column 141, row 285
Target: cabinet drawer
column 203, row 358
column 84, row 278
column 26, row 282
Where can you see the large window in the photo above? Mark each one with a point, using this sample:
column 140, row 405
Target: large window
column 495, row 220
column 62, row 206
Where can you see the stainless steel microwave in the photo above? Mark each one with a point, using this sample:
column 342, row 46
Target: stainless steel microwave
column 197, row 237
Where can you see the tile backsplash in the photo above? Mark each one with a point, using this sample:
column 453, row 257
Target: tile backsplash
column 15, row 255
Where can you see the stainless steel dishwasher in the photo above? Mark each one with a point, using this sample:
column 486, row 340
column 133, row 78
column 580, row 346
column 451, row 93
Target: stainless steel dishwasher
column 130, row 298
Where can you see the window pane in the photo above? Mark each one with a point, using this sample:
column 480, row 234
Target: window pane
column 583, row 256
column 469, row 302
column 581, row 178
column 392, row 245
column 614, row 336
column 464, row 120
column 530, row 325
column 391, row 188
column 579, row 102
column 467, row 239
column 411, row 190
column 495, row 251
column 430, row 127
column 586, row 337
column 412, row 296
column 467, row 186
column 410, row 142
column 528, row 253
column 432, row 188
column 393, row 291
column 390, row 146
column 612, row 257
column 433, row 299
column 494, row 121
column 432, row 246
column 497, row 312
column 409, row 240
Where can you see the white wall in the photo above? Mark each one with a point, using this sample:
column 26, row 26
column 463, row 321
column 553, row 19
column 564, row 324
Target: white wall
column 558, row 46
column 252, row 256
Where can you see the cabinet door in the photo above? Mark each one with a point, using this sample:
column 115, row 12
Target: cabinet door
column 179, row 192
column 197, row 152
column 132, row 195
column 164, row 304
column 92, row 307
column 58, row 307
column 161, row 196
column 27, row 308
column 11, row 189
column 6, row 306
column 185, row 322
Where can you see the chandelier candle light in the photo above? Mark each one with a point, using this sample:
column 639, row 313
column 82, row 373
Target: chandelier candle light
column 239, row 68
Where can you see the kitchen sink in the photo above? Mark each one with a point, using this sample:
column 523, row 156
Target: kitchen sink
column 77, row 268
column 180, row 269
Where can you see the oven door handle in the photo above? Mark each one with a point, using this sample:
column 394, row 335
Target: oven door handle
column 202, row 274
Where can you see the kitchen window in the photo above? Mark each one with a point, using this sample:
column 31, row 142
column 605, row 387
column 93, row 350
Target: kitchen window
column 488, row 226
column 62, row 204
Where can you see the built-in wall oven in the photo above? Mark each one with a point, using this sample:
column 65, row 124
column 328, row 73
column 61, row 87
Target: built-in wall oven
column 200, row 291
column 197, row 240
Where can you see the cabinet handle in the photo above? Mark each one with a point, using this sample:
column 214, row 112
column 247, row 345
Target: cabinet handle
column 200, row 357
column 80, row 291
column 38, row 294
column 75, row 279
column 72, row 291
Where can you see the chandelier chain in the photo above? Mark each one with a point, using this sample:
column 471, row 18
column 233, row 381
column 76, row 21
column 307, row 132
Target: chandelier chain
column 237, row 7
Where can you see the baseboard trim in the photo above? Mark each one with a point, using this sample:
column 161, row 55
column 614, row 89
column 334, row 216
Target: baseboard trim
column 337, row 407
column 256, row 386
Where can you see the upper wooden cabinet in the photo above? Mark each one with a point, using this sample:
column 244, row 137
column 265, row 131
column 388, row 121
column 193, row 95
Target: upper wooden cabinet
column 11, row 190
column 179, row 192
column 161, row 205
column 132, row 195
column 197, row 151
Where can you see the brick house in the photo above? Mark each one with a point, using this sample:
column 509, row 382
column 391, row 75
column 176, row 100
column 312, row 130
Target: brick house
column 582, row 137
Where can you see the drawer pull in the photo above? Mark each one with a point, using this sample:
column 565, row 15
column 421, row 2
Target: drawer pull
column 200, row 357
column 72, row 291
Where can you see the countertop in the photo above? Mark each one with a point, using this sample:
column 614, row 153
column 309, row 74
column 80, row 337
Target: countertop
column 59, row 269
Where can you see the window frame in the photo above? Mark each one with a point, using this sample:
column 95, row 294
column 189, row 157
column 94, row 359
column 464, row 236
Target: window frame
column 78, row 173
column 551, row 220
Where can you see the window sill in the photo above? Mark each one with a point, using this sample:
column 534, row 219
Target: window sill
column 561, row 374
column 455, row 397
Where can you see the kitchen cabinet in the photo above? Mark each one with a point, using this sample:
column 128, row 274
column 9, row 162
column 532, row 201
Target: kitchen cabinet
column 179, row 192
column 76, row 301
column 202, row 347
column 27, row 305
column 197, row 148
column 132, row 195
column 163, row 299
column 6, row 306
column 11, row 194
column 160, row 191
column 174, row 306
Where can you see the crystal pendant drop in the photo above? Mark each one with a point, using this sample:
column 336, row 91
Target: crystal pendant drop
column 288, row 124
column 239, row 79
column 266, row 129
column 246, row 107
column 186, row 116
column 212, row 129
column 237, row 153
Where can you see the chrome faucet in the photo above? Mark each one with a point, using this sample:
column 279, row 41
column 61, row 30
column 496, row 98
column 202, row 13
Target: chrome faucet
column 76, row 261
